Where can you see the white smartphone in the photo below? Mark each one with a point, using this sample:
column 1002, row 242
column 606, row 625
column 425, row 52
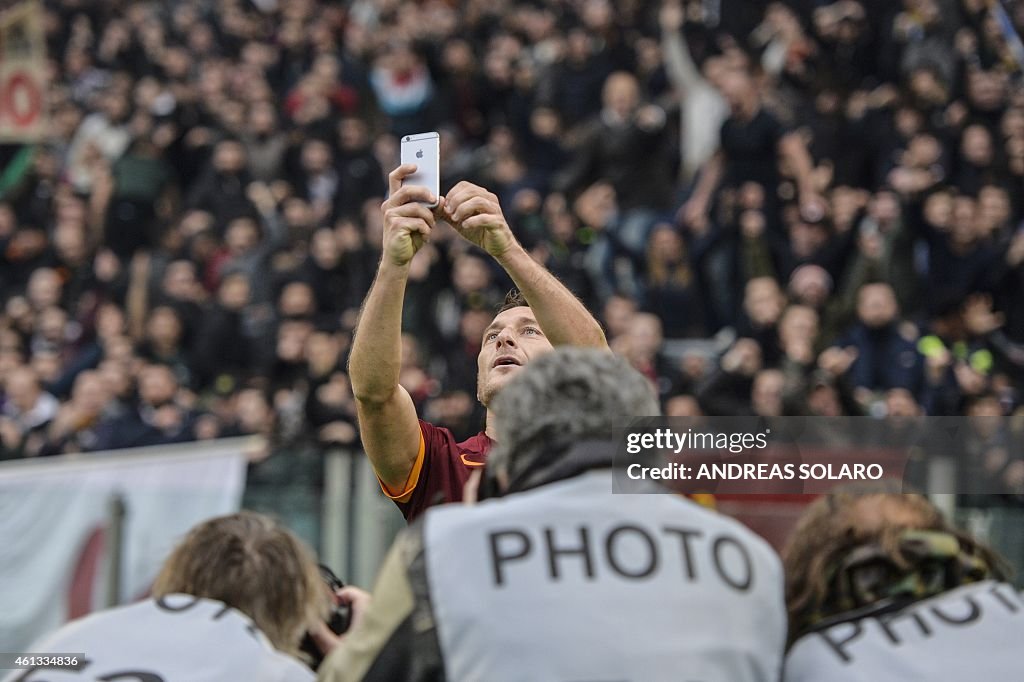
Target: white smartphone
column 424, row 150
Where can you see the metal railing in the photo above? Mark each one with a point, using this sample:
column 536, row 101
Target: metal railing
column 332, row 500
column 359, row 522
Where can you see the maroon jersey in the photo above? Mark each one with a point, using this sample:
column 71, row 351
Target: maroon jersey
column 441, row 469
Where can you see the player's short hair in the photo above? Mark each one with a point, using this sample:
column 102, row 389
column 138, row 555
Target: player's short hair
column 255, row 565
column 513, row 299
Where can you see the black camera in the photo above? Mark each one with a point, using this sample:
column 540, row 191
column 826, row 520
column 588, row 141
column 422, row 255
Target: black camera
column 338, row 620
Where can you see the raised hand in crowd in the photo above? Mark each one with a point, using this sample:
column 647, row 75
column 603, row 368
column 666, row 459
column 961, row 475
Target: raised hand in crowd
column 979, row 318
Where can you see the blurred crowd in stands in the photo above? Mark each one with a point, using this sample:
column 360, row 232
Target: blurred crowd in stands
column 830, row 192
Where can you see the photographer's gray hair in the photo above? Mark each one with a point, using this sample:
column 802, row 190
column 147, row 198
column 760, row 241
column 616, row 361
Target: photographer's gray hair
column 566, row 396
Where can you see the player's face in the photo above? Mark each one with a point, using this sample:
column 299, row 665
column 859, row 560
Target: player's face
column 509, row 342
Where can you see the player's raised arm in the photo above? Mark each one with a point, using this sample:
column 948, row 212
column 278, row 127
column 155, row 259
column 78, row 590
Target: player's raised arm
column 477, row 216
column 387, row 416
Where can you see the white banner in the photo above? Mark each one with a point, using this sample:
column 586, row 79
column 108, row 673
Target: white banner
column 22, row 73
column 54, row 517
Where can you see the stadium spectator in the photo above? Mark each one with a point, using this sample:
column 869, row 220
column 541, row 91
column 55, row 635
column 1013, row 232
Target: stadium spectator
column 617, row 314
column 670, row 289
column 330, row 407
column 220, row 191
column 702, row 109
column 163, row 343
column 416, row 461
column 159, row 417
column 880, row 586
column 751, row 138
column 625, row 146
column 27, row 411
column 642, row 345
column 75, row 426
column 221, row 346
column 763, row 303
column 556, row 538
column 265, row 142
column 232, row 601
column 886, row 358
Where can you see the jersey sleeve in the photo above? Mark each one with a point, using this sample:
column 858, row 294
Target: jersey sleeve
column 436, row 476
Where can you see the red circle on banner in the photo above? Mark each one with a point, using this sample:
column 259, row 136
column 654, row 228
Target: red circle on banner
column 20, row 82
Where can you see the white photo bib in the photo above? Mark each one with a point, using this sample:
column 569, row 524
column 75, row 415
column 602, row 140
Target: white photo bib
column 176, row 639
column 570, row 583
column 973, row 633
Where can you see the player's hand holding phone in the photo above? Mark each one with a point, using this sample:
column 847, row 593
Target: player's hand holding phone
column 415, row 202
column 414, row 198
column 408, row 218
column 476, row 215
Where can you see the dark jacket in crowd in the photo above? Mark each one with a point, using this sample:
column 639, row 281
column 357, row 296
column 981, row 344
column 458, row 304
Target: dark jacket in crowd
column 885, row 359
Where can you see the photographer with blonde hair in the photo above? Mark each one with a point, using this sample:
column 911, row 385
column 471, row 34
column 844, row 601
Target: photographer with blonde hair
column 232, row 602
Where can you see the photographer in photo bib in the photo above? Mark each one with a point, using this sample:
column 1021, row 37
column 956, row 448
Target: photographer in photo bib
column 880, row 586
column 552, row 577
column 233, row 601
